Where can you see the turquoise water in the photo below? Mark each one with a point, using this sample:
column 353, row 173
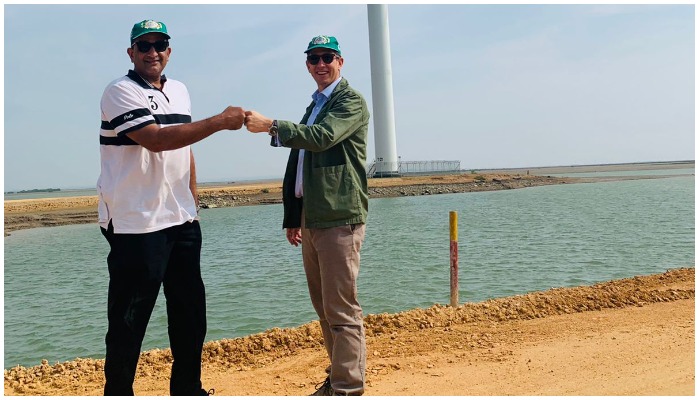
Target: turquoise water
column 510, row 242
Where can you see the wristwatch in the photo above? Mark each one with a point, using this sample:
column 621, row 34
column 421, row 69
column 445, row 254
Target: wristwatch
column 273, row 128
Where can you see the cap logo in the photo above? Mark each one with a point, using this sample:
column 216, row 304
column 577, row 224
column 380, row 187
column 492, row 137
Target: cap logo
column 321, row 40
column 151, row 25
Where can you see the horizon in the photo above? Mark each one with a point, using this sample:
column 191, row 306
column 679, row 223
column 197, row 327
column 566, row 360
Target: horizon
column 462, row 170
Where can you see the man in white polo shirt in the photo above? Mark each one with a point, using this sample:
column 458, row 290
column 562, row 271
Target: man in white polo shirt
column 148, row 212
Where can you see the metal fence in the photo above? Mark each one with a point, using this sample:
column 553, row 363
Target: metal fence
column 384, row 168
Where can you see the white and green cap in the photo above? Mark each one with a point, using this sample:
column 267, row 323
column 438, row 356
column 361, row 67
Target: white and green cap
column 148, row 26
column 325, row 42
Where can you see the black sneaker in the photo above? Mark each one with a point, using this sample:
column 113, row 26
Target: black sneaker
column 324, row 389
column 203, row 392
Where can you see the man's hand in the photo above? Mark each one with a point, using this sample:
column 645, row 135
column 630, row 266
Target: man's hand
column 233, row 117
column 294, row 236
column 257, row 123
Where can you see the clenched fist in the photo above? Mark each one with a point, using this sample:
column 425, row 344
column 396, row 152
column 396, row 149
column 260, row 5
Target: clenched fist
column 256, row 122
column 233, row 117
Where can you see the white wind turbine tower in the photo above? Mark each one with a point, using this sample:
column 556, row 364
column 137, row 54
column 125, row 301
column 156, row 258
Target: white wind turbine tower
column 386, row 160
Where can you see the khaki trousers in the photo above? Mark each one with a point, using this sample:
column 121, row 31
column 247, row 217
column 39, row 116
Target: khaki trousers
column 332, row 264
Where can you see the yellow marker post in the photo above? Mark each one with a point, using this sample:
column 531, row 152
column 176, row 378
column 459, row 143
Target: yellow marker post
column 454, row 261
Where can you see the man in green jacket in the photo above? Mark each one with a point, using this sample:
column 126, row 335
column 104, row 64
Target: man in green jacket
column 325, row 207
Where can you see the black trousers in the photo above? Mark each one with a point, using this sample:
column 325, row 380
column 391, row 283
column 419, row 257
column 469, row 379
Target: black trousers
column 138, row 265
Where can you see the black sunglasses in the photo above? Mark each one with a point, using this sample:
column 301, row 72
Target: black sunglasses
column 145, row 47
column 327, row 58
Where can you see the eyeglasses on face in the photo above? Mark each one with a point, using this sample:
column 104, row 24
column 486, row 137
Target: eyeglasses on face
column 327, row 58
column 145, row 47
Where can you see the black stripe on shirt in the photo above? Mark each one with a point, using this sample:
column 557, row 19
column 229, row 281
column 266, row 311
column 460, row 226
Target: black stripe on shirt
column 169, row 119
column 117, row 141
column 122, row 139
column 129, row 116
column 160, row 119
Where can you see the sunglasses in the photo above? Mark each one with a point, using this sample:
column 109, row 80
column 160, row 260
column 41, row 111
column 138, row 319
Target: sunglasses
column 327, row 58
column 145, row 47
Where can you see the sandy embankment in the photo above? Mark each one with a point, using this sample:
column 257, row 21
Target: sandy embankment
column 35, row 213
column 631, row 337
column 25, row 214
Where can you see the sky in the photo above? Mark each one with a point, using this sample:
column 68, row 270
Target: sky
column 493, row 86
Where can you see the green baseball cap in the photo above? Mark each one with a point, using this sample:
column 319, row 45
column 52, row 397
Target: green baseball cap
column 148, row 26
column 325, row 42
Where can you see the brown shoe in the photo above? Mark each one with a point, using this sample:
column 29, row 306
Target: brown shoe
column 324, row 389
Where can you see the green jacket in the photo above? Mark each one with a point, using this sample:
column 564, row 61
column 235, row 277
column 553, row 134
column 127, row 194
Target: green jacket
column 335, row 180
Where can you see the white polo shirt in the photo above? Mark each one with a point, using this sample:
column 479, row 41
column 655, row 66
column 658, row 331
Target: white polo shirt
column 141, row 191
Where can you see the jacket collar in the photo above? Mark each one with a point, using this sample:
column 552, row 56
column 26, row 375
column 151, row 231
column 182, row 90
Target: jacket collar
column 342, row 85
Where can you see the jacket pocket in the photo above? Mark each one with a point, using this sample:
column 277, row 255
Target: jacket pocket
column 330, row 195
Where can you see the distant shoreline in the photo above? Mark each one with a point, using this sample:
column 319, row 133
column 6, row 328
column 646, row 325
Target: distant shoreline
column 539, row 170
column 566, row 169
column 56, row 211
column 48, row 190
